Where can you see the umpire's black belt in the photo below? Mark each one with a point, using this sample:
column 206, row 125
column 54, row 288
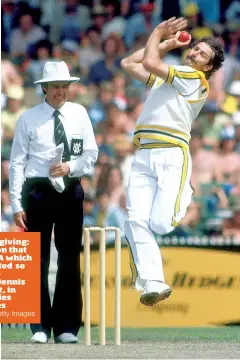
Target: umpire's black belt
column 68, row 181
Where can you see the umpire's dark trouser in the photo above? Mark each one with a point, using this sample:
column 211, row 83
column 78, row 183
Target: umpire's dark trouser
column 44, row 207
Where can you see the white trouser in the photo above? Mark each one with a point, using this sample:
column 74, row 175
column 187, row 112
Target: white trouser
column 159, row 193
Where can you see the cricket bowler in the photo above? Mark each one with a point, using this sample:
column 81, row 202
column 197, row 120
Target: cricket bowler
column 159, row 189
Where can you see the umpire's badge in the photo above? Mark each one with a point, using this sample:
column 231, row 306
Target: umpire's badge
column 76, row 147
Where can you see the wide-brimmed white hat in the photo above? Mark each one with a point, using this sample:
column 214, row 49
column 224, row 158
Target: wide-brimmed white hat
column 56, row 71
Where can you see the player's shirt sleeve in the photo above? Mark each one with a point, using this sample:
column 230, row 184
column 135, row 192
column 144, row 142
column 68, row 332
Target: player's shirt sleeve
column 154, row 81
column 151, row 80
column 186, row 79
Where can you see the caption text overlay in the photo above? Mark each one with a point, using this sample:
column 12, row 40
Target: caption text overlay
column 19, row 277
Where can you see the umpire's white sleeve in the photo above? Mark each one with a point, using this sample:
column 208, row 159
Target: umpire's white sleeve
column 84, row 163
column 18, row 161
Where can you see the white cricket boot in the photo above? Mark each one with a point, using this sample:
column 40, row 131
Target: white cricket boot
column 154, row 292
column 39, row 337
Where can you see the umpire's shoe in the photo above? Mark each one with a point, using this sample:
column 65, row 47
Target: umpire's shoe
column 66, row 338
column 154, row 292
column 39, row 337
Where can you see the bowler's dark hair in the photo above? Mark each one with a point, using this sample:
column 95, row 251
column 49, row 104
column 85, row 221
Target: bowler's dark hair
column 218, row 49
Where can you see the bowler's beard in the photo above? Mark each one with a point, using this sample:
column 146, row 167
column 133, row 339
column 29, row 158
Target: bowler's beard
column 189, row 59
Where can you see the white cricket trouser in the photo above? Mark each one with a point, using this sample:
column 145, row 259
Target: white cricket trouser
column 159, row 193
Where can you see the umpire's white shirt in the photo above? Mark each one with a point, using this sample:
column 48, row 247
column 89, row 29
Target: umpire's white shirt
column 33, row 144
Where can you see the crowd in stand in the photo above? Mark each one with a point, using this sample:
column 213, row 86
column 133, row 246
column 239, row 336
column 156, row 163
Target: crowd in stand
column 92, row 37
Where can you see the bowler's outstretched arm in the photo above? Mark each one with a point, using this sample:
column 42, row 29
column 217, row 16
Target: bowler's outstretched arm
column 152, row 59
column 133, row 64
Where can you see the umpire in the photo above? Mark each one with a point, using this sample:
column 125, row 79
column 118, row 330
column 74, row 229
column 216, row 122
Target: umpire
column 53, row 146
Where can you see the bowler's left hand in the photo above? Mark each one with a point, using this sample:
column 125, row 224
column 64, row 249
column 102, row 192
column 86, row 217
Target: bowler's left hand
column 169, row 28
column 61, row 169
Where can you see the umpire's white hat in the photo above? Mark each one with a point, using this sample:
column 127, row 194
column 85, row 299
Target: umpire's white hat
column 56, row 71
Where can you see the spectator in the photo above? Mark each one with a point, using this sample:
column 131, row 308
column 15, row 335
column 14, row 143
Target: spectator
column 91, row 50
column 236, row 123
column 234, row 193
column 97, row 110
column 210, row 17
column 4, row 170
column 40, row 53
column 9, row 73
column 232, row 13
column 173, row 58
column 6, row 210
column 215, row 199
column 119, row 86
column 106, row 156
column 116, row 217
column 73, row 21
column 229, row 161
column 114, row 24
column 229, row 107
column 140, row 23
column 130, row 7
column 114, row 185
column 114, row 124
column 204, row 163
column 101, row 210
column 87, row 184
column 196, row 25
column 232, row 225
column 70, row 20
column 231, row 66
column 123, row 148
column 46, row 8
column 108, row 215
column 190, row 221
column 135, row 97
column 216, row 92
column 104, row 70
column 232, row 101
column 69, row 54
column 8, row 17
column 169, row 9
column 10, row 115
column 99, row 16
column 88, row 210
column 26, row 34
column 3, row 103
column 210, row 121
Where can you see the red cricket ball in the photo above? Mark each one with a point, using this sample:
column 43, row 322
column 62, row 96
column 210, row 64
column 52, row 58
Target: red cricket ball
column 184, row 36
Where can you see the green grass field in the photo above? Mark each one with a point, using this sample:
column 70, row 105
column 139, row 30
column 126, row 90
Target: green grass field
column 144, row 334
column 137, row 343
